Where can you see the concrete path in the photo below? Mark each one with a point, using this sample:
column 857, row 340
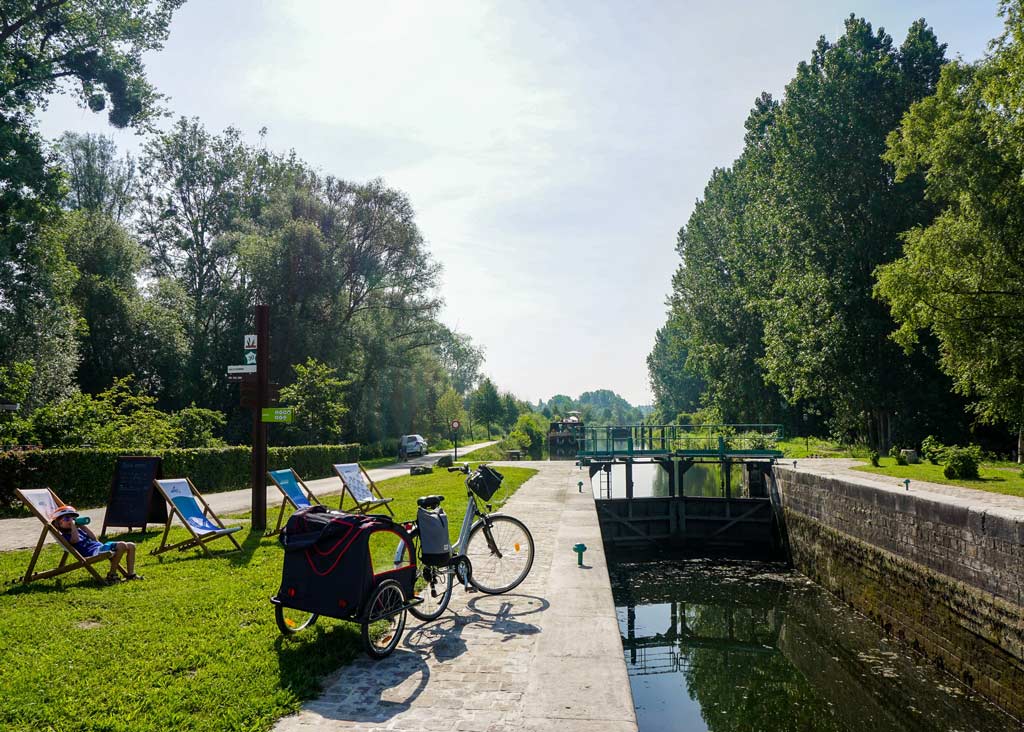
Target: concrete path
column 546, row 656
column 24, row 533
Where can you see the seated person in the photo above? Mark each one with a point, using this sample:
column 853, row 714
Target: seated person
column 86, row 544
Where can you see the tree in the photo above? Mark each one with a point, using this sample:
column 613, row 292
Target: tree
column 318, row 397
column 460, row 358
column 675, row 388
column 97, row 179
column 486, row 404
column 961, row 276
column 449, row 408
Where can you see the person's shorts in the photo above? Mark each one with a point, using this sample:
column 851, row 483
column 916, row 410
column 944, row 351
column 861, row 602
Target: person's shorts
column 108, row 546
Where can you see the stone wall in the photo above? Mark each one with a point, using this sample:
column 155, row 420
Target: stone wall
column 944, row 575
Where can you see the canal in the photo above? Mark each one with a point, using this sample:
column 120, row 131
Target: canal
column 652, row 480
column 737, row 646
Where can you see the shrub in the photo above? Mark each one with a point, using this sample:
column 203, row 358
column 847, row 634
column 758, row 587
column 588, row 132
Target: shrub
column 932, row 449
column 196, row 426
column 874, row 458
column 82, row 476
column 894, row 452
column 961, row 462
column 901, row 459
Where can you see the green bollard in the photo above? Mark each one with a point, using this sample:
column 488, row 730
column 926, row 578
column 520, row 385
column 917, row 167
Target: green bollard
column 906, row 483
column 580, row 486
column 579, row 549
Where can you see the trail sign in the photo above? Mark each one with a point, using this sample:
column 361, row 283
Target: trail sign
column 250, row 358
column 242, row 369
column 249, row 342
column 277, row 414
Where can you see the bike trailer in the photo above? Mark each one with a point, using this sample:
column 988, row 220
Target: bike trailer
column 328, row 569
column 435, row 547
column 485, row 482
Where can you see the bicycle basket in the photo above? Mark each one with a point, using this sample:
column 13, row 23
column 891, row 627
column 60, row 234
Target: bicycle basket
column 485, row 482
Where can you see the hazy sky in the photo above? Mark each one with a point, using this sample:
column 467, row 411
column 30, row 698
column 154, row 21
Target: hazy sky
column 552, row 151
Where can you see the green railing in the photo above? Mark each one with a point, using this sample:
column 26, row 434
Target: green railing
column 709, row 439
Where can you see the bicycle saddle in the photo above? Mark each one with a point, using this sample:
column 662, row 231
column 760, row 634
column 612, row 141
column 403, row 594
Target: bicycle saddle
column 429, row 502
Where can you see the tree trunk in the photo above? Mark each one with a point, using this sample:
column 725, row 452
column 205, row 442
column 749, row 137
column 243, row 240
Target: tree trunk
column 1020, row 442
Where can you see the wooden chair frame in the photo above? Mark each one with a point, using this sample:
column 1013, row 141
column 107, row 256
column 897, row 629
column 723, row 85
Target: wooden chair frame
column 78, row 561
column 361, row 506
column 199, row 540
column 313, row 500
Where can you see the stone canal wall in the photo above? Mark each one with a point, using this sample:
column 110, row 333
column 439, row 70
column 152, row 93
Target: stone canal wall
column 942, row 570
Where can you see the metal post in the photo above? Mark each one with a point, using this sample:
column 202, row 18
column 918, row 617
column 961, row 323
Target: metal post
column 259, row 430
column 629, row 478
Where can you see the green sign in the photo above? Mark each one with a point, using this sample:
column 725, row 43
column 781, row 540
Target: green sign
column 277, row 414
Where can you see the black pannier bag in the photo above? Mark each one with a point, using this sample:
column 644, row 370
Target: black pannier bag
column 485, row 482
column 327, row 565
column 435, row 548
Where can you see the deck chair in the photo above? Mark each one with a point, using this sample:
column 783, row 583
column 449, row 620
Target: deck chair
column 42, row 502
column 184, row 501
column 357, row 483
column 295, row 492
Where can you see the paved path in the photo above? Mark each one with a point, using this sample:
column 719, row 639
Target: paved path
column 995, row 503
column 546, row 656
column 24, row 533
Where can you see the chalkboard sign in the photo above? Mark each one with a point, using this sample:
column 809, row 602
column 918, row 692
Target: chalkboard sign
column 133, row 501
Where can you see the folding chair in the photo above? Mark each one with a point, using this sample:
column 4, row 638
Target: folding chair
column 295, row 492
column 357, row 483
column 184, row 500
column 43, row 502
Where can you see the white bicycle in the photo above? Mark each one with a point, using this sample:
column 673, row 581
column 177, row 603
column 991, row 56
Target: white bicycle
column 493, row 553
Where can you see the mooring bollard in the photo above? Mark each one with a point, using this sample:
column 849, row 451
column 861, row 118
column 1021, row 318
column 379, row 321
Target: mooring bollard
column 579, row 549
column 580, row 486
column 906, row 483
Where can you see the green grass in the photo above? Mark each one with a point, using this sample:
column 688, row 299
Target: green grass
column 804, row 447
column 994, row 478
column 484, row 454
column 194, row 646
column 377, row 462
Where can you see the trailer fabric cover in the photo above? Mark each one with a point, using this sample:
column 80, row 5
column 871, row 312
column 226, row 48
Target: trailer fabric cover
column 327, row 564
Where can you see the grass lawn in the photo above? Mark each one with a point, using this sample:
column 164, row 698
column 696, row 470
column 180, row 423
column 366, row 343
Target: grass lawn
column 995, row 478
column 377, row 462
column 194, row 646
column 801, row 447
column 484, row 454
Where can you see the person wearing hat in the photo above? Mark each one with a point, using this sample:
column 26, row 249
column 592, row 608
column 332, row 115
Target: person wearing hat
column 86, row 543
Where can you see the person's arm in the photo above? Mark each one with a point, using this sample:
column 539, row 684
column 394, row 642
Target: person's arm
column 88, row 532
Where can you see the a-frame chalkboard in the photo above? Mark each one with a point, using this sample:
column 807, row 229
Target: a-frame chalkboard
column 133, row 500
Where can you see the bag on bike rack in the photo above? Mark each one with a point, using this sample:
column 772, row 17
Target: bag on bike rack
column 485, row 482
column 434, row 543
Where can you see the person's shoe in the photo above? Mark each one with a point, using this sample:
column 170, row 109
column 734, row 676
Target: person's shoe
column 113, row 579
column 133, row 576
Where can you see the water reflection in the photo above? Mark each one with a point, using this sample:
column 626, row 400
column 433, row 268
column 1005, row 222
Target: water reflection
column 742, row 646
column 701, row 479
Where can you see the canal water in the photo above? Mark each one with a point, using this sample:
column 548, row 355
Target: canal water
column 730, row 646
column 652, row 480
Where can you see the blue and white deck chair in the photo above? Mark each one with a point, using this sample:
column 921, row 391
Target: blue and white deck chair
column 203, row 524
column 357, row 483
column 295, row 492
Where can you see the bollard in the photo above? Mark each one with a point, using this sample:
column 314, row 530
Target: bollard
column 579, row 549
column 580, row 486
column 906, row 483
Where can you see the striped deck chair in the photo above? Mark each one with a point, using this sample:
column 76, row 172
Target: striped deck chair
column 295, row 492
column 184, row 501
column 357, row 483
column 42, row 502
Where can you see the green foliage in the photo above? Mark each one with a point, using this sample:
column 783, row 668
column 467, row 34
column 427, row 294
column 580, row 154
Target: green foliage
column 932, row 449
column 485, row 404
column 901, row 459
column 960, row 275
column 874, row 458
column 82, row 476
column 961, row 462
column 197, row 427
column 318, row 397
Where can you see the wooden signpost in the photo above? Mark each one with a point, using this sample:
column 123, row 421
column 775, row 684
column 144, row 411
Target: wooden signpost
column 133, row 501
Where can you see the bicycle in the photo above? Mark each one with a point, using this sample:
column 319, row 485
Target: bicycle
column 493, row 553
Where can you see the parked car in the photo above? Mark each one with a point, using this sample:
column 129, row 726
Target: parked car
column 411, row 445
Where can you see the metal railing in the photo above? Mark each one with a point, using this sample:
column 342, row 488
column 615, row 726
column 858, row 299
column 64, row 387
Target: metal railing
column 667, row 439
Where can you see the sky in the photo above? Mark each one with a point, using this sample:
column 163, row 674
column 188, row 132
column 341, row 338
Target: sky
column 552, row 151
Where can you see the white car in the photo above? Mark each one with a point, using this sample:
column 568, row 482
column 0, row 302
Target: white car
column 410, row 445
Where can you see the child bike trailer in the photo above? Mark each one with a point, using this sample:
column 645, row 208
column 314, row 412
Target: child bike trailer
column 328, row 570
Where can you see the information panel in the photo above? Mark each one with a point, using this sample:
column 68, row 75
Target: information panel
column 133, row 501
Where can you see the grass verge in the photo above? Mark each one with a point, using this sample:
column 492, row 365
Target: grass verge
column 994, row 478
column 194, row 646
column 380, row 462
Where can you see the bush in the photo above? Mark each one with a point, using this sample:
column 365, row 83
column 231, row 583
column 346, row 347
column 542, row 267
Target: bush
column 82, row 476
column 961, row 463
column 901, row 459
column 932, row 449
column 874, row 458
column 196, row 426
column 894, row 452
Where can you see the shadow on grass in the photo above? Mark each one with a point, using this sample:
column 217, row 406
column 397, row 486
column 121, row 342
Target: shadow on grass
column 250, row 545
column 53, row 585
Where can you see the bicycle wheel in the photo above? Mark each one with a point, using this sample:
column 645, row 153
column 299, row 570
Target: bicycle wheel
column 501, row 554
column 291, row 621
column 385, row 619
column 433, row 585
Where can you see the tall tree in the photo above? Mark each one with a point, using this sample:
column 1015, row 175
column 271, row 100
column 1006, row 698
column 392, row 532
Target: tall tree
column 486, row 404
column 961, row 276
column 97, row 179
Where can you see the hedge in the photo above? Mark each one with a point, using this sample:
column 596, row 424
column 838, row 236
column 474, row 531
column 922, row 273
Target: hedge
column 82, row 476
